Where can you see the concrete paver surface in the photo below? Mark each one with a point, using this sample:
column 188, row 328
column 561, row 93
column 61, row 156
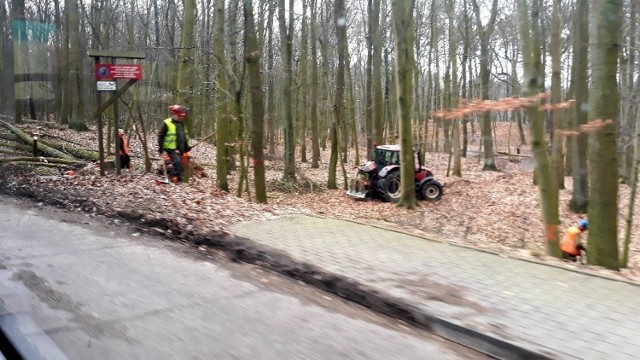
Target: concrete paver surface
column 552, row 311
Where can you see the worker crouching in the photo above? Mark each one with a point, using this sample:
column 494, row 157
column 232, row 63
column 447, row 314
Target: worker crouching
column 571, row 245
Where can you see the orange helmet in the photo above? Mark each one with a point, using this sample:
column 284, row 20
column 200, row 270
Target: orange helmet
column 178, row 110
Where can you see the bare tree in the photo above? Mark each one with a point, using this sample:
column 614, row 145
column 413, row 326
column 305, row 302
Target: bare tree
column 75, row 81
column 222, row 100
column 338, row 106
column 376, row 81
column 580, row 86
column 315, row 143
column 286, row 39
column 453, row 98
column 529, row 37
column 485, row 37
column 6, row 62
column 557, row 156
column 304, row 84
column 252, row 57
column 602, row 157
column 405, row 63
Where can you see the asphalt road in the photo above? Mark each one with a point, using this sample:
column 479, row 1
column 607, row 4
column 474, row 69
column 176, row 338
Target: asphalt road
column 101, row 290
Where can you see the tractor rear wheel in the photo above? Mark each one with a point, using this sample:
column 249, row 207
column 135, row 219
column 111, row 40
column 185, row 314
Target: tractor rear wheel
column 430, row 190
column 391, row 187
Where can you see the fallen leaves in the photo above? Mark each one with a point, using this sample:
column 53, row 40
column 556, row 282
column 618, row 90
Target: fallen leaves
column 498, row 211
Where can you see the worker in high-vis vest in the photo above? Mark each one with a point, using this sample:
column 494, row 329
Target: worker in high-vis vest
column 570, row 245
column 173, row 141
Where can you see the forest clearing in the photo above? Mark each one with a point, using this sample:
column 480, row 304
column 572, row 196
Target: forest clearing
column 498, row 211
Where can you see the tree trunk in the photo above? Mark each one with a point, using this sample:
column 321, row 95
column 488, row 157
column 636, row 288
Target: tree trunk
column 602, row 153
column 222, row 100
column 7, row 92
column 557, row 156
column 453, row 58
column 579, row 78
column 252, row 57
column 403, row 25
column 20, row 56
column 184, row 84
column 376, row 77
column 624, row 261
column 315, row 141
column 286, row 40
column 74, row 76
column 485, row 74
column 543, row 171
column 368, row 113
column 630, row 102
column 466, row 82
column 351, row 124
column 271, row 102
column 338, row 107
column 233, row 86
column 304, row 87
column 326, row 71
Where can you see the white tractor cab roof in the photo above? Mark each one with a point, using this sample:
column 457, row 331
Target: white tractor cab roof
column 389, row 147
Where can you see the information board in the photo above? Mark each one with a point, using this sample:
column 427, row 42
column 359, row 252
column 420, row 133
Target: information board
column 118, row 71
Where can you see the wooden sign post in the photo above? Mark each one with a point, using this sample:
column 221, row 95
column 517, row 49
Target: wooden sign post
column 107, row 76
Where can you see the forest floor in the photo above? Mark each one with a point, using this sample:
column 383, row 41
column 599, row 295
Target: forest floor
column 496, row 211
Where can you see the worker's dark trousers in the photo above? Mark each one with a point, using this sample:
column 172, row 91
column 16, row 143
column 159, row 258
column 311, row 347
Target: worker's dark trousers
column 581, row 249
column 176, row 169
column 125, row 161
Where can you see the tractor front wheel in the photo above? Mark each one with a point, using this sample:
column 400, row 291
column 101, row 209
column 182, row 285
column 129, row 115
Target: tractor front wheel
column 391, row 187
column 430, row 190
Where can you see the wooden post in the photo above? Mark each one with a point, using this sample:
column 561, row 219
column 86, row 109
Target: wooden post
column 113, row 100
column 116, row 136
column 100, row 129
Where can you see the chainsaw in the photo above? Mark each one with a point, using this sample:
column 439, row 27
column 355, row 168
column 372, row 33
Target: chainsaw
column 166, row 163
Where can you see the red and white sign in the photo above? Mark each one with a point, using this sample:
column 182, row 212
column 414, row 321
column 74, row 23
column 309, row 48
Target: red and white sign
column 118, row 71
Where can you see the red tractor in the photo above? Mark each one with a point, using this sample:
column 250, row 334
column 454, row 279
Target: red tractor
column 380, row 177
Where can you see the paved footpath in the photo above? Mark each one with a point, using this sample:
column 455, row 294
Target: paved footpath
column 556, row 312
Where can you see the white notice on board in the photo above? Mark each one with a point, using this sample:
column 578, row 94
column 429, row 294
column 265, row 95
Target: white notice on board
column 106, row 85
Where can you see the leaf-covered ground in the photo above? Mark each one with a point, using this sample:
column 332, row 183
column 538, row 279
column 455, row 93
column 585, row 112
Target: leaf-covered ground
column 498, row 211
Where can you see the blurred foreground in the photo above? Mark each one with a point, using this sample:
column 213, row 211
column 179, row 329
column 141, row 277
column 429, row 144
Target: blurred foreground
column 100, row 290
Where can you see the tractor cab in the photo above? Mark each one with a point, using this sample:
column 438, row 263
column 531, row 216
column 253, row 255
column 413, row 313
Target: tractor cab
column 386, row 155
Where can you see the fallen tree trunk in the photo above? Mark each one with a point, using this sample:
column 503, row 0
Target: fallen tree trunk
column 40, row 146
column 9, row 137
column 41, row 160
column 85, row 154
column 17, row 146
column 43, row 164
column 9, row 152
column 49, row 136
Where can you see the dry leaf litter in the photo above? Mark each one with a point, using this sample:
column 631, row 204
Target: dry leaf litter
column 495, row 211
